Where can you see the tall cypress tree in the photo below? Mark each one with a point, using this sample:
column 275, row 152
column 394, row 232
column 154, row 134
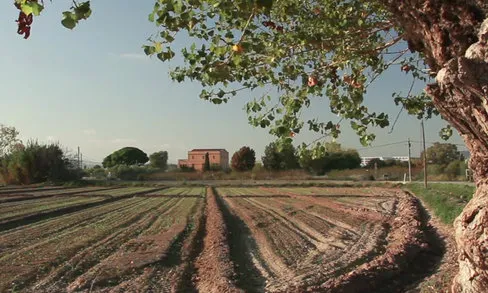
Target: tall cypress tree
column 206, row 165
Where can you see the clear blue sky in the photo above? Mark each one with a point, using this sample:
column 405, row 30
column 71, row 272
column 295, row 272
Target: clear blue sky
column 94, row 88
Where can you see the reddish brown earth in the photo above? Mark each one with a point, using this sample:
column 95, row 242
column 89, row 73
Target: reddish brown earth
column 215, row 270
column 365, row 241
column 234, row 240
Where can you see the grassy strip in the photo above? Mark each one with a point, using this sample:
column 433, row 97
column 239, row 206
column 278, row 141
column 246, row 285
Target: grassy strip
column 445, row 199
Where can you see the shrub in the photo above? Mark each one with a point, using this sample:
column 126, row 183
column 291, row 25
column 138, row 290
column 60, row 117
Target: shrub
column 215, row 167
column 184, row 168
column 454, row 169
column 96, row 172
column 125, row 172
column 337, row 160
column 36, row 163
column 159, row 160
column 435, row 169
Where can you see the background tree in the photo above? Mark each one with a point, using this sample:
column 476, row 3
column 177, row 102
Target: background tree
column 107, row 162
column 37, row 163
column 337, row 49
column 96, row 171
column 206, row 165
column 334, row 158
column 8, row 139
column 159, row 160
column 442, row 153
column 376, row 162
column 280, row 156
column 125, row 156
column 454, row 169
column 244, row 159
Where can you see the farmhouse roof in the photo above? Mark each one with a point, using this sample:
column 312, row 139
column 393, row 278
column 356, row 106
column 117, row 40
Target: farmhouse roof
column 206, row 150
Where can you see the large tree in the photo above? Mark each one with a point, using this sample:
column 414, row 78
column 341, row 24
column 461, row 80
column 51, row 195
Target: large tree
column 280, row 157
column 337, row 48
column 244, row 159
column 125, row 156
column 8, row 139
column 442, row 153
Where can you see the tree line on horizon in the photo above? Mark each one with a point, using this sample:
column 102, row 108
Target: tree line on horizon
column 35, row 162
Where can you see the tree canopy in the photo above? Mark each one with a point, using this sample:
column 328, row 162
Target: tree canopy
column 159, row 160
column 244, row 159
column 8, row 139
column 297, row 52
column 334, row 158
column 280, row 157
column 303, row 51
column 36, row 163
column 443, row 153
column 125, row 156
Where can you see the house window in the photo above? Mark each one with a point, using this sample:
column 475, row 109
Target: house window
column 203, row 157
column 213, row 157
column 192, row 157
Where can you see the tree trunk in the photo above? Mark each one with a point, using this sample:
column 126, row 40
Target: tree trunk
column 453, row 38
column 472, row 240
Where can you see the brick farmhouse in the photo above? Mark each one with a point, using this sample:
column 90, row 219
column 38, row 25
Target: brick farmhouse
column 196, row 159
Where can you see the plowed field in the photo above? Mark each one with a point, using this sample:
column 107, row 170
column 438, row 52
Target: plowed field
column 190, row 239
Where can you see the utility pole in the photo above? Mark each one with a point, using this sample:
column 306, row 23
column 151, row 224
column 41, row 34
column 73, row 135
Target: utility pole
column 409, row 162
column 425, row 153
column 78, row 157
column 375, row 170
column 81, row 161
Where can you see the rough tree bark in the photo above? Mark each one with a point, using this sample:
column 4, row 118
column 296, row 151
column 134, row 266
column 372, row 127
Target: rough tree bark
column 452, row 36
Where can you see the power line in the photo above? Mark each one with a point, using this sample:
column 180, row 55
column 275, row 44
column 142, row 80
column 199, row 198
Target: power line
column 403, row 107
column 396, row 120
column 430, row 142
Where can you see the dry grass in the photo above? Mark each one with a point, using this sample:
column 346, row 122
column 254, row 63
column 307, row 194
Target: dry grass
column 220, row 175
column 393, row 173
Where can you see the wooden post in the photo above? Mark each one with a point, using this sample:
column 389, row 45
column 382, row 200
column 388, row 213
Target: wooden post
column 425, row 154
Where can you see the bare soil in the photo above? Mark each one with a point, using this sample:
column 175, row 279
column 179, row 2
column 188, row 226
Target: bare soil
column 215, row 271
column 363, row 241
column 261, row 239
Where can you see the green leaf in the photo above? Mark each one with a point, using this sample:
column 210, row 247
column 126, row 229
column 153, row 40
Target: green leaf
column 36, row 8
column 354, row 125
column 68, row 21
column 32, row 8
column 83, row 10
column 217, row 101
column 151, row 17
column 446, row 132
column 26, row 8
column 158, row 47
column 149, row 50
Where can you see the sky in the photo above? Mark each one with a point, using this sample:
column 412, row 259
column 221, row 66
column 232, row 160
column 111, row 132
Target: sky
column 94, row 88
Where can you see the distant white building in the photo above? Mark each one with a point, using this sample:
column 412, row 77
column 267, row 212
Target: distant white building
column 366, row 160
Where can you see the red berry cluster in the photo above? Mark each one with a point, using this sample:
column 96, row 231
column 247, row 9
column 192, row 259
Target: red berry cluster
column 24, row 22
column 272, row 25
